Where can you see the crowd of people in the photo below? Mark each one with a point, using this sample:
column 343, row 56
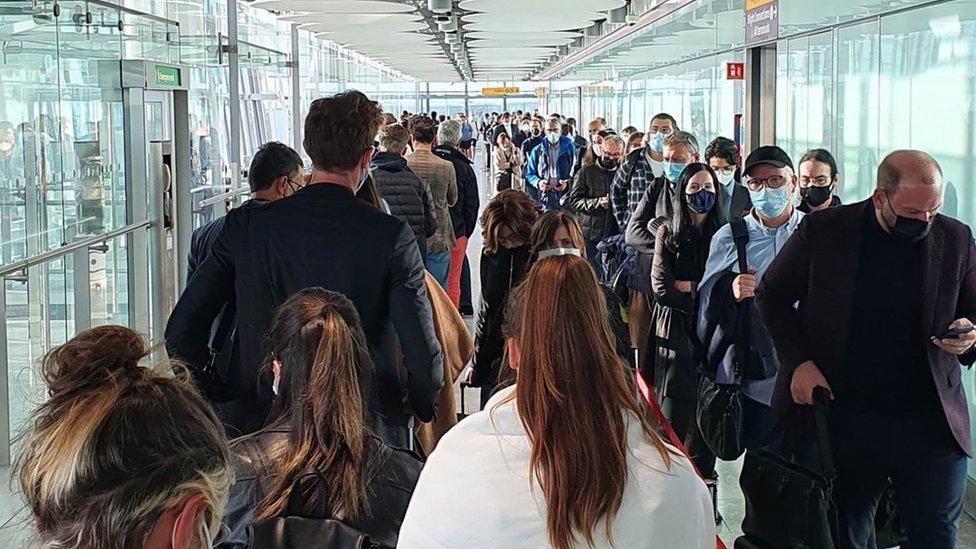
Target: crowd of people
column 320, row 338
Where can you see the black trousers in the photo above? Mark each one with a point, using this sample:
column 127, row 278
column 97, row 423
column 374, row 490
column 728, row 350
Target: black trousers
column 682, row 414
column 920, row 456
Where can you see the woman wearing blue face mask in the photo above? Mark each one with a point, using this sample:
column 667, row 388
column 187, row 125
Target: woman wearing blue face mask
column 680, row 252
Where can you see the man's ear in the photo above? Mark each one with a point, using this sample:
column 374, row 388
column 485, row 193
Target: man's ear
column 186, row 528
column 367, row 158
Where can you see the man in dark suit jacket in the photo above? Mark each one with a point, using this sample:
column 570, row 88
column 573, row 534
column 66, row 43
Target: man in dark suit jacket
column 275, row 172
column 859, row 301
column 323, row 236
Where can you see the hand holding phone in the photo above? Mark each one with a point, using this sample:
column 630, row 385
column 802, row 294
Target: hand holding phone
column 954, row 333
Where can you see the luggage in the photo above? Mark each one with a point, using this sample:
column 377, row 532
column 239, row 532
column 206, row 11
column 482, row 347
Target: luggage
column 788, row 506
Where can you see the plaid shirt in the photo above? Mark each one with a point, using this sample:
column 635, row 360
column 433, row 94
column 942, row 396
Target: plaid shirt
column 626, row 195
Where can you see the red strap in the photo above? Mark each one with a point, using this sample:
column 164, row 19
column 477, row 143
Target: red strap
column 647, row 392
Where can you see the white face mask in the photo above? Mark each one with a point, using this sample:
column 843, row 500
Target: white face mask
column 598, row 149
column 725, row 178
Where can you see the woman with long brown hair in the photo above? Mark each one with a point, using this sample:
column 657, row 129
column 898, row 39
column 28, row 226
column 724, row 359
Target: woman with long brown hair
column 506, row 226
column 320, row 425
column 560, row 230
column 565, row 457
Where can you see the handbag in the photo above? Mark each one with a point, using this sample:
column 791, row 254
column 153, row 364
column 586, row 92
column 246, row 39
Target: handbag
column 719, row 404
column 294, row 531
column 888, row 531
column 788, row 506
column 647, row 394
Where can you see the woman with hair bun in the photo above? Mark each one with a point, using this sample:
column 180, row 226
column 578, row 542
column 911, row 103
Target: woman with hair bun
column 120, row 455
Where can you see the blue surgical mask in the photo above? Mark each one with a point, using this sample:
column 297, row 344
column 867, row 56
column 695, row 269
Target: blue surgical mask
column 770, row 202
column 657, row 142
column 673, row 169
column 553, row 137
column 701, row 202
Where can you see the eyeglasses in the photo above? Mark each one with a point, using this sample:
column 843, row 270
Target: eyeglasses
column 726, row 171
column 819, row 181
column 771, row 182
column 294, row 185
column 666, row 130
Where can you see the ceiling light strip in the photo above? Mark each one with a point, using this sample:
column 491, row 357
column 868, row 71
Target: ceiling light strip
column 609, row 40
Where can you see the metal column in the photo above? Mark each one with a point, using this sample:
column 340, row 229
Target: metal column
column 4, row 382
column 137, row 207
column 296, row 91
column 182, row 183
column 234, row 89
column 760, row 115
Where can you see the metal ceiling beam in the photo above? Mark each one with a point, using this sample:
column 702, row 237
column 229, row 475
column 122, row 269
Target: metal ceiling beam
column 612, row 39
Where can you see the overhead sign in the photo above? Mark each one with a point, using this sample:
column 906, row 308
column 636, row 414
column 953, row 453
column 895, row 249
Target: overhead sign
column 735, row 71
column 597, row 89
column 167, row 76
column 762, row 21
column 499, row 91
column 541, row 91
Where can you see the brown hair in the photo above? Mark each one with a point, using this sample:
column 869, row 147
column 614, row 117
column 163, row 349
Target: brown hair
column 545, row 229
column 339, row 130
column 510, row 208
column 574, row 399
column 422, row 128
column 636, row 139
column 117, row 444
column 394, row 138
column 317, row 338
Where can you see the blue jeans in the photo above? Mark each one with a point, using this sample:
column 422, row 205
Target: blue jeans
column 438, row 264
column 920, row 456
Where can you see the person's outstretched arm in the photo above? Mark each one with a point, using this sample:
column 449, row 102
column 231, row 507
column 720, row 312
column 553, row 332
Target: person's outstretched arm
column 414, row 324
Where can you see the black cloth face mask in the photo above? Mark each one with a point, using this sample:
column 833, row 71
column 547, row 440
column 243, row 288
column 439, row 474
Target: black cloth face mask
column 908, row 228
column 816, row 196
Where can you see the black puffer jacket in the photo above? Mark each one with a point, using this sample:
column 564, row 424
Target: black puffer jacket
column 464, row 212
column 390, row 481
column 407, row 194
column 592, row 184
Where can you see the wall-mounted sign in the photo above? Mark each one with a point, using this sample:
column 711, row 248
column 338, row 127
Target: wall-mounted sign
column 499, row 91
column 541, row 91
column 167, row 76
column 762, row 21
column 597, row 89
column 735, row 71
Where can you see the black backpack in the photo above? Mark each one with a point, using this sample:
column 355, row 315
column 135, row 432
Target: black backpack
column 293, row 531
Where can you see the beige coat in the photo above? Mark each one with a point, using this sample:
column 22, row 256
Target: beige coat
column 458, row 348
column 440, row 177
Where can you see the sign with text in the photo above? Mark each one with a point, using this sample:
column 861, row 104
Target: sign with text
column 167, row 76
column 735, row 71
column 762, row 21
column 499, row 91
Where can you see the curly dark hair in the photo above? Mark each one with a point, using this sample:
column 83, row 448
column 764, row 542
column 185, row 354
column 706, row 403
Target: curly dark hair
column 422, row 128
column 339, row 129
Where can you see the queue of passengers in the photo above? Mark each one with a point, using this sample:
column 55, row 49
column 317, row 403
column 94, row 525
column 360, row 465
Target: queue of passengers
column 322, row 323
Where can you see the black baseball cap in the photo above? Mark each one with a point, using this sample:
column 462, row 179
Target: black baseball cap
column 768, row 154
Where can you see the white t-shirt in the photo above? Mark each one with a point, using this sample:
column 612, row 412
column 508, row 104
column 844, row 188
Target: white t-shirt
column 474, row 491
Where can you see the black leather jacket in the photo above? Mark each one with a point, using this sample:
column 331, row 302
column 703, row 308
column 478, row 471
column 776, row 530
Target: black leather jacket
column 500, row 272
column 392, row 476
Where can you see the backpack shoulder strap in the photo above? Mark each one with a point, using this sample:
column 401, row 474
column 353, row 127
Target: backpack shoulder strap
column 740, row 236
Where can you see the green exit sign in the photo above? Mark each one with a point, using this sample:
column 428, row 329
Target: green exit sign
column 167, row 76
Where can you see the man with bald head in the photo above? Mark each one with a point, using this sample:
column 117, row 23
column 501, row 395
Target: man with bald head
column 873, row 301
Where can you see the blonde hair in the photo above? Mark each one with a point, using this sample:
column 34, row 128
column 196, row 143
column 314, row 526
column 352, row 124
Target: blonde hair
column 118, row 444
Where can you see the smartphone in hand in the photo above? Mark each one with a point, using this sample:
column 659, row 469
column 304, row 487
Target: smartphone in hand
column 954, row 333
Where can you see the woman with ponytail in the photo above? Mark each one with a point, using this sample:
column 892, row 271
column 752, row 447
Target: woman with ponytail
column 121, row 455
column 320, row 424
column 564, row 458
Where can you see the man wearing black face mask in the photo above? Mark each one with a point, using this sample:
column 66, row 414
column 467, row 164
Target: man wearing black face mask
column 818, row 179
column 590, row 198
column 887, row 293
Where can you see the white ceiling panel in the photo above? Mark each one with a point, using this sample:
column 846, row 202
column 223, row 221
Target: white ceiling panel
column 545, row 6
column 334, row 6
column 355, row 19
column 556, row 21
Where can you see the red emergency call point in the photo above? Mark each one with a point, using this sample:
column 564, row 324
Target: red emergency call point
column 735, row 71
